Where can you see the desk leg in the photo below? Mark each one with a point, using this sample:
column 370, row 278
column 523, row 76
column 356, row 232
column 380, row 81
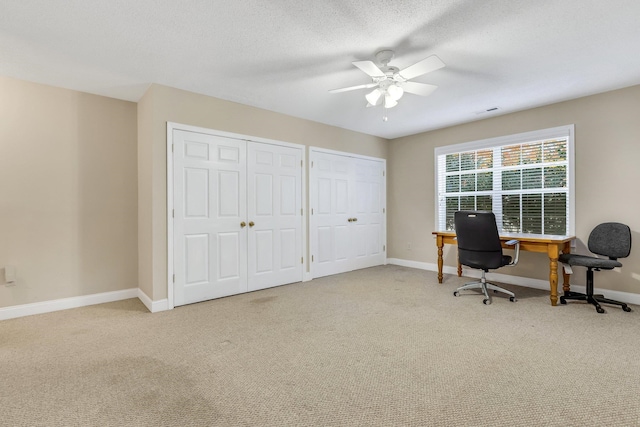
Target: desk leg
column 552, row 251
column 566, row 286
column 440, row 243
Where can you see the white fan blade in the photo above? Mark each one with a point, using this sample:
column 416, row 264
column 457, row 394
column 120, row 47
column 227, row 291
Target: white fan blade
column 346, row 89
column 421, row 89
column 425, row 66
column 370, row 68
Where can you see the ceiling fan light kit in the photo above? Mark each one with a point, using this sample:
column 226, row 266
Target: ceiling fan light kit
column 391, row 83
column 374, row 97
column 395, row 91
column 389, row 102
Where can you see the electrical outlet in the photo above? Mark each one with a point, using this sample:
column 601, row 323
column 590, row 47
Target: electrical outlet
column 9, row 275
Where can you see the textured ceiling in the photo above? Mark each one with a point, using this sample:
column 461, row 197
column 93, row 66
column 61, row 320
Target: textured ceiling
column 285, row 55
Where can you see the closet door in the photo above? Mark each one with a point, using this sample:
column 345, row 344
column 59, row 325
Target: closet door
column 332, row 234
column 368, row 218
column 274, row 215
column 347, row 229
column 237, row 215
column 210, row 243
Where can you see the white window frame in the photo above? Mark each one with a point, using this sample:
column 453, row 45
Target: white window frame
column 567, row 132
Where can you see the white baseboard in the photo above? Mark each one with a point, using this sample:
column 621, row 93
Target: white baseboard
column 163, row 305
column 627, row 297
column 153, row 306
column 65, row 303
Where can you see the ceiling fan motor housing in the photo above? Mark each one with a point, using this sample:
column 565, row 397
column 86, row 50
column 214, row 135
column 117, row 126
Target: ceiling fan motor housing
column 384, row 56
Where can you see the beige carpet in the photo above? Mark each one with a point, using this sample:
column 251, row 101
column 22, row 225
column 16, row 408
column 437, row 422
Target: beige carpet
column 385, row 346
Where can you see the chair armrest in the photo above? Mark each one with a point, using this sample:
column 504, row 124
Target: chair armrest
column 515, row 243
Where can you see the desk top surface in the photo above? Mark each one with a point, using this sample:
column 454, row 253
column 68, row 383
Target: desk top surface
column 541, row 238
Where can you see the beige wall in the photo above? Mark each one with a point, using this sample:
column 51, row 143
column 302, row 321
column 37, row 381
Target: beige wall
column 163, row 104
column 73, row 221
column 68, row 216
column 607, row 146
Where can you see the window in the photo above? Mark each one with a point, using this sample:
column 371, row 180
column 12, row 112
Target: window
column 527, row 180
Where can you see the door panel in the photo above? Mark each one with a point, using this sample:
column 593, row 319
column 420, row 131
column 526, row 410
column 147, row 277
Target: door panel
column 209, row 204
column 324, row 251
column 323, row 206
column 343, row 244
column 369, row 215
column 229, row 194
column 196, row 193
column 361, row 240
column 196, row 259
column 229, row 257
column 264, row 244
column 264, row 195
column 332, row 246
column 274, row 207
column 288, row 248
column 288, row 196
column 342, row 197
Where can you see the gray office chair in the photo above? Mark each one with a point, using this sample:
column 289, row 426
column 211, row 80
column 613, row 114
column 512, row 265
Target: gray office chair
column 479, row 247
column 610, row 239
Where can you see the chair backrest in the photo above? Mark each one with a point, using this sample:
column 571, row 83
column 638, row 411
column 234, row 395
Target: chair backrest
column 610, row 239
column 478, row 239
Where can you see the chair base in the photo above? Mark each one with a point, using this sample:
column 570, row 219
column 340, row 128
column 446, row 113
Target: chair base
column 590, row 297
column 485, row 286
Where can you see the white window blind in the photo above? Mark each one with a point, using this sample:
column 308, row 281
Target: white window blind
column 525, row 179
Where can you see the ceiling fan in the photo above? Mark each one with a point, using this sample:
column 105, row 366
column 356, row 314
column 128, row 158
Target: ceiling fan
column 391, row 83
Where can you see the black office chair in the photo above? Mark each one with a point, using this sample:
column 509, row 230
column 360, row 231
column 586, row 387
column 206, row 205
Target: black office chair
column 610, row 239
column 479, row 247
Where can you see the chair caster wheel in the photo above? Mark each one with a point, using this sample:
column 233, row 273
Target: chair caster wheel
column 455, row 294
column 625, row 308
column 562, row 300
column 486, row 301
column 600, row 310
column 512, row 299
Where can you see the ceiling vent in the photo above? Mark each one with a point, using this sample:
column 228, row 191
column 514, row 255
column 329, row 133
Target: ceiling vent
column 488, row 110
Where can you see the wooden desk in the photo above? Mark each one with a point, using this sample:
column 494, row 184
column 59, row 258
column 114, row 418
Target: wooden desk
column 553, row 246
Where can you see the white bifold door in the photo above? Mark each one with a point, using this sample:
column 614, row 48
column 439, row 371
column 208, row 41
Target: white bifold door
column 237, row 218
column 348, row 212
